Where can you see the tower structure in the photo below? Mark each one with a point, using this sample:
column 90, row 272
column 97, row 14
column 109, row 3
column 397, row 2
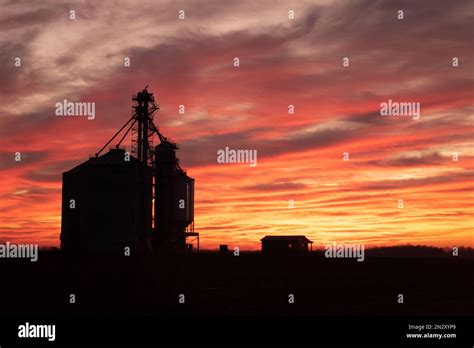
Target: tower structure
column 172, row 190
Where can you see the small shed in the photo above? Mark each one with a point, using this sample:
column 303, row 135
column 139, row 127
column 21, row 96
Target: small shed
column 286, row 245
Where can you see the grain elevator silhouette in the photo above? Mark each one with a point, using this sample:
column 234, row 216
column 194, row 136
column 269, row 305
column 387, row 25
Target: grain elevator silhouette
column 142, row 200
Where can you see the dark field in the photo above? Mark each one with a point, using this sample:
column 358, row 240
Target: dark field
column 247, row 285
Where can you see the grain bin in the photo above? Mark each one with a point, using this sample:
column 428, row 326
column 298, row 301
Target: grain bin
column 174, row 199
column 106, row 205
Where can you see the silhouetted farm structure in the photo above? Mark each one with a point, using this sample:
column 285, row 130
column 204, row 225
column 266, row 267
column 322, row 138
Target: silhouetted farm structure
column 107, row 204
column 108, row 201
column 285, row 245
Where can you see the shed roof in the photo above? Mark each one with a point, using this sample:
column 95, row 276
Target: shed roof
column 287, row 238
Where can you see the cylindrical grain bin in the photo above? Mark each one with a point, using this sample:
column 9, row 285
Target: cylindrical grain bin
column 174, row 199
column 106, row 205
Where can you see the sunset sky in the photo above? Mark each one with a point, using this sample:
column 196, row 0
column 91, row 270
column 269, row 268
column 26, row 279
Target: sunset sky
column 282, row 61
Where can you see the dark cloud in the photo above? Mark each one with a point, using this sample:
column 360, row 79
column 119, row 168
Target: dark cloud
column 275, row 186
column 50, row 172
column 409, row 161
column 418, row 183
column 7, row 159
column 32, row 17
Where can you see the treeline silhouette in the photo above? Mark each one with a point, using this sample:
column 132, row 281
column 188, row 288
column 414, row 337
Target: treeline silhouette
column 419, row 251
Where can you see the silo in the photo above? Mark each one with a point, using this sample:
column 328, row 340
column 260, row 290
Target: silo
column 174, row 199
column 106, row 205
column 183, row 199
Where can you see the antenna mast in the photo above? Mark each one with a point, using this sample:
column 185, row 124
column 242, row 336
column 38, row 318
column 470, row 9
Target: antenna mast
column 142, row 127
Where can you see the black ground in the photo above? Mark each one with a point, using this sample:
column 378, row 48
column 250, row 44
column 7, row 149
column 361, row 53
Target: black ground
column 237, row 299
column 249, row 284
